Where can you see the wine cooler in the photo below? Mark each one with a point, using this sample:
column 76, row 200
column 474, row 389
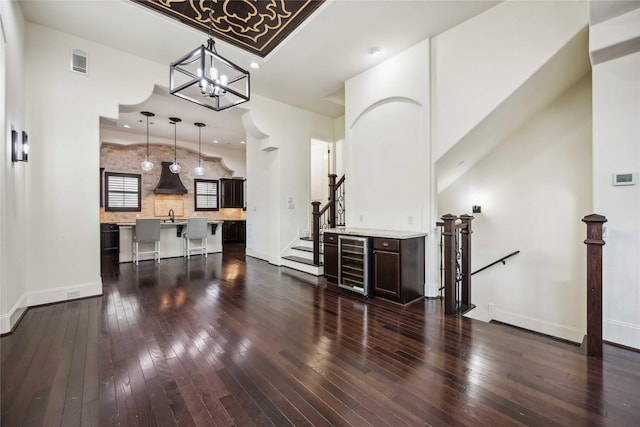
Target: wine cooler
column 354, row 264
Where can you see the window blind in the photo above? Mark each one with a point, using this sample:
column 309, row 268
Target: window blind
column 123, row 192
column 206, row 194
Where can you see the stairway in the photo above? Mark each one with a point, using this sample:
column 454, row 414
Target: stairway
column 300, row 257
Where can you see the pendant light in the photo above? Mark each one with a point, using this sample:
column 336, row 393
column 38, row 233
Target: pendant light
column 175, row 167
column 146, row 164
column 199, row 170
column 206, row 78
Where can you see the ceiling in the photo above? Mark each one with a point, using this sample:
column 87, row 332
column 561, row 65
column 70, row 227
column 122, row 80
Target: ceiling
column 307, row 69
column 255, row 26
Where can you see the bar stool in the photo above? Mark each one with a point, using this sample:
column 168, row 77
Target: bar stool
column 196, row 230
column 147, row 231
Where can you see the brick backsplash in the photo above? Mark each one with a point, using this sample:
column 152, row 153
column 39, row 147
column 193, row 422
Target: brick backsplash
column 127, row 158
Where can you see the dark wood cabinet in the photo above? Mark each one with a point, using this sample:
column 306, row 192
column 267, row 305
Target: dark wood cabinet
column 399, row 271
column 109, row 239
column 231, row 193
column 330, row 241
column 234, row 232
column 386, row 274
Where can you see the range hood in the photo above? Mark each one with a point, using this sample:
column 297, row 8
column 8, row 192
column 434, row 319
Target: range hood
column 169, row 182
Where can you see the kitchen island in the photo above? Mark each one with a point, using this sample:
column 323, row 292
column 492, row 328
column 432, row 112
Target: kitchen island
column 171, row 240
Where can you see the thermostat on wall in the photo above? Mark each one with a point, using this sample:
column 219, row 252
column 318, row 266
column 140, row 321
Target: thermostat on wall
column 624, row 178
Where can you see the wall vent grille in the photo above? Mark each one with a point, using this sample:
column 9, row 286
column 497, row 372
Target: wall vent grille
column 80, row 62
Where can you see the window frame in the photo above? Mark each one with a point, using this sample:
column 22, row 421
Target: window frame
column 195, row 194
column 107, row 207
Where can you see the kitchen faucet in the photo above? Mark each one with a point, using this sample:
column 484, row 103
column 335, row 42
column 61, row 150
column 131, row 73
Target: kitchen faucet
column 172, row 215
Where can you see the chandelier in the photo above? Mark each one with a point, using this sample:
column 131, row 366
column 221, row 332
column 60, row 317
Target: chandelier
column 205, row 78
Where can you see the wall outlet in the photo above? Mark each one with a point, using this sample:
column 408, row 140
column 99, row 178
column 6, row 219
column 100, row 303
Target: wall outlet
column 361, row 218
column 73, row 294
column 410, row 219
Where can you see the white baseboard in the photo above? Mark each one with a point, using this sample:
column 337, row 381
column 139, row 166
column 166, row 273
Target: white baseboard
column 47, row 296
column 8, row 320
column 264, row 257
column 621, row 333
column 558, row 330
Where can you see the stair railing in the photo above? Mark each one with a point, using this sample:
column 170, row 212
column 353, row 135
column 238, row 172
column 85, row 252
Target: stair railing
column 502, row 260
column 330, row 216
column 456, row 262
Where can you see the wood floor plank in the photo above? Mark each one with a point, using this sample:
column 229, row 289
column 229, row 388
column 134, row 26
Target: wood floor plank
column 230, row 340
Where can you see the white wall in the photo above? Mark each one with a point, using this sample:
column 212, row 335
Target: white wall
column 278, row 149
column 320, row 161
column 387, row 148
column 13, row 176
column 534, row 189
column 481, row 62
column 616, row 148
column 63, row 118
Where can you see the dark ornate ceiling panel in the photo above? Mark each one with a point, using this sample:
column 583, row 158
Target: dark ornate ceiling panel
column 257, row 26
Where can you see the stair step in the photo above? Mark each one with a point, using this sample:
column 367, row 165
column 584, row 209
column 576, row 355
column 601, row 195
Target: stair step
column 305, row 249
column 299, row 259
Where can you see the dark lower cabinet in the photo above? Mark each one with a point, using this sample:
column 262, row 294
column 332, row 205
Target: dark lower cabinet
column 330, row 241
column 398, row 266
column 234, row 232
column 386, row 282
column 109, row 239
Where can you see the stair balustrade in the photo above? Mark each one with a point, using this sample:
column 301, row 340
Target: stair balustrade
column 330, row 216
column 456, row 262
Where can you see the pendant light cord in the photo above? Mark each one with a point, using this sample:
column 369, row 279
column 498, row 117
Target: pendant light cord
column 175, row 142
column 147, row 138
column 199, row 146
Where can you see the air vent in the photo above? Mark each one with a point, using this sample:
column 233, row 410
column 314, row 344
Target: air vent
column 80, row 61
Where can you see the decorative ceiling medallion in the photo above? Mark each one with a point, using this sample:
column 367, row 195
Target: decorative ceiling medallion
column 257, row 26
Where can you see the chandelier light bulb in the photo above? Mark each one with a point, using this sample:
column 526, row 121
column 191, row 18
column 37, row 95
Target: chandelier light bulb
column 146, row 165
column 175, row 168
column 199, row 170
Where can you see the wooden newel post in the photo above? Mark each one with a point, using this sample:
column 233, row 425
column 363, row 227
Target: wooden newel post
column 315, row 212
column 466, row 259
column 594, row 244
column 332, row 200
column 449, row 261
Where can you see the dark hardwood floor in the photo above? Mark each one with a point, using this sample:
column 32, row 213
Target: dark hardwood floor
column 224, row 341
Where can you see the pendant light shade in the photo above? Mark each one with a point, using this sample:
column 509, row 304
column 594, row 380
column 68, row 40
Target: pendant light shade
column 206, row 78
column 175, row 167
column 199, row 170
column 146, row 164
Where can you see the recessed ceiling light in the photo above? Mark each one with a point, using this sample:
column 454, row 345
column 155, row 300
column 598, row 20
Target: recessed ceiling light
column 241, row 142
column 215, row 141
column 375, row 51
column 255, row 65
column 126, row 126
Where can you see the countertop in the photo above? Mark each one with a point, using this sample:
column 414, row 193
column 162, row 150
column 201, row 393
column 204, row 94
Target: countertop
column 169, row 223
column 367, row 232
